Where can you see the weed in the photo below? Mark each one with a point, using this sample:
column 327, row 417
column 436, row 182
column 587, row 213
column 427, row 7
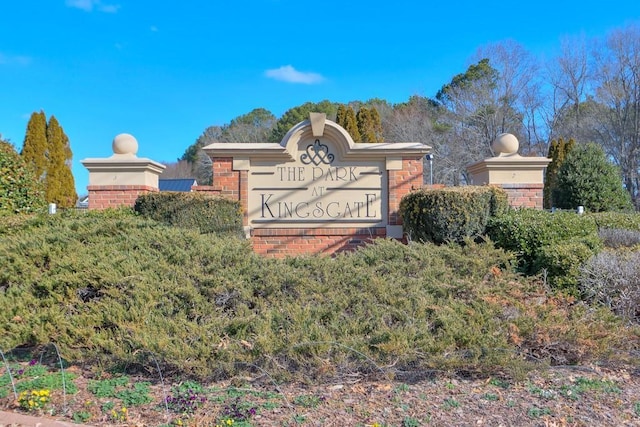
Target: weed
column 450, row 403
column 535, row 412
column 299, row 419
column 269, row 405
column 308, row 400
column 490, row 396
column 499, row 383
column 107, row 406
column 81, row 417
column 636, row 409
column 107, row 387
column 402, row 388
column 584, row 384
column 543, row 393
column 581, row 385
column 137, row 396
column 410, row 422
column 34, row 369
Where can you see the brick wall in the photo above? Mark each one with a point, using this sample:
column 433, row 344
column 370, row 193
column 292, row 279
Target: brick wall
column 280, row 242
column 525, row 195
column 114, row 196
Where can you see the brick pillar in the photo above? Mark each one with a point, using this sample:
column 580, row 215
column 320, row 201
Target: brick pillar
column 118, row 180
column 401, row 182
column 231, row 183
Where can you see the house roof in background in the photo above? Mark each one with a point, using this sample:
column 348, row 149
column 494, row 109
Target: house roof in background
column 178, row 184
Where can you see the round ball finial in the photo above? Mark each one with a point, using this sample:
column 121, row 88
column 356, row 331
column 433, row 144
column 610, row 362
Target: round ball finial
column 505, row 143
column 125, row 144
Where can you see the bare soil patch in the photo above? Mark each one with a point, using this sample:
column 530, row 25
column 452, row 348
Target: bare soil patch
column 558, row 396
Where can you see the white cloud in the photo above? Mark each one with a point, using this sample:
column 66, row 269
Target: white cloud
column 14, row 59
column 289, row 74
column 89, row 5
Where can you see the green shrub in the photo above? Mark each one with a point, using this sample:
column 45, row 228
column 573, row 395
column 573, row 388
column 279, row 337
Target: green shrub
column 451, row 214
column 540, row 239
column 587, row 178
column 206, row 213
column 20, row 191
column 618, row 220
column 562, row 261
column 122, row 290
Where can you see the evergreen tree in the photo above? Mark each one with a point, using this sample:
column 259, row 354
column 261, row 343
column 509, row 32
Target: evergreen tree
column 19, row 190
column 376, row 123
column 341, row 115
column 346, row 118
column 369, row 125
column 558, row 150
column 59, row 183
column 587, row 178
column 34, row 149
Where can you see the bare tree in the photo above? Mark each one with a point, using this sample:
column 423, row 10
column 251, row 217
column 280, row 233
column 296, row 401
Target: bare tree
column 567, row 74
column 617, row 89
column 517, row 93
column 179, row 169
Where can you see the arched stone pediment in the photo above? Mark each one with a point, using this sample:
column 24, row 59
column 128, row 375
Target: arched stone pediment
column 328, row 133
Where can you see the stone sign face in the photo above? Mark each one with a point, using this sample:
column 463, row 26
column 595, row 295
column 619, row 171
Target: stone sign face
column 317, row 188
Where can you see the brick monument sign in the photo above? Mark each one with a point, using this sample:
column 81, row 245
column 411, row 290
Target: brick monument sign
column 317, row 191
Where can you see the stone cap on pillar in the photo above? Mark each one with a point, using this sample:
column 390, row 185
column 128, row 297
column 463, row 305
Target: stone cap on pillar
column 508, row 167
column 123, row 167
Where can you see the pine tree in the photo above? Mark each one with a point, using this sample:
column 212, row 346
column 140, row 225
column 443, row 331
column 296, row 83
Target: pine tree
column 376, row 125
column 341, row 115
column 34, row 149
column 365, row 125
column 59, row 183
column 558, row 151
column 352, row 125
column 346, row 118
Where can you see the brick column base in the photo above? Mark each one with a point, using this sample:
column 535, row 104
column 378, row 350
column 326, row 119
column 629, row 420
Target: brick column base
column 114, row 196
column 525, row 195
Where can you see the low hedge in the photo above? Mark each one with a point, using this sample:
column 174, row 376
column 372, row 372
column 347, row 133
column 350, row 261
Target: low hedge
column 557, row 243
column 209, row 214
column 452, row 213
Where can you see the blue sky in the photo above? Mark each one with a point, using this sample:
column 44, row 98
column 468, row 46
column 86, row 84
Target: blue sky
column 165, row 70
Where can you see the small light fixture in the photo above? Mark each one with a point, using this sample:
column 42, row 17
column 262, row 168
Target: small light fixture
column 430, row 157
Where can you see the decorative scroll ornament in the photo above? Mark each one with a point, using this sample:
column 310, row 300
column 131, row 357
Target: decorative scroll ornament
column 317, row 153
